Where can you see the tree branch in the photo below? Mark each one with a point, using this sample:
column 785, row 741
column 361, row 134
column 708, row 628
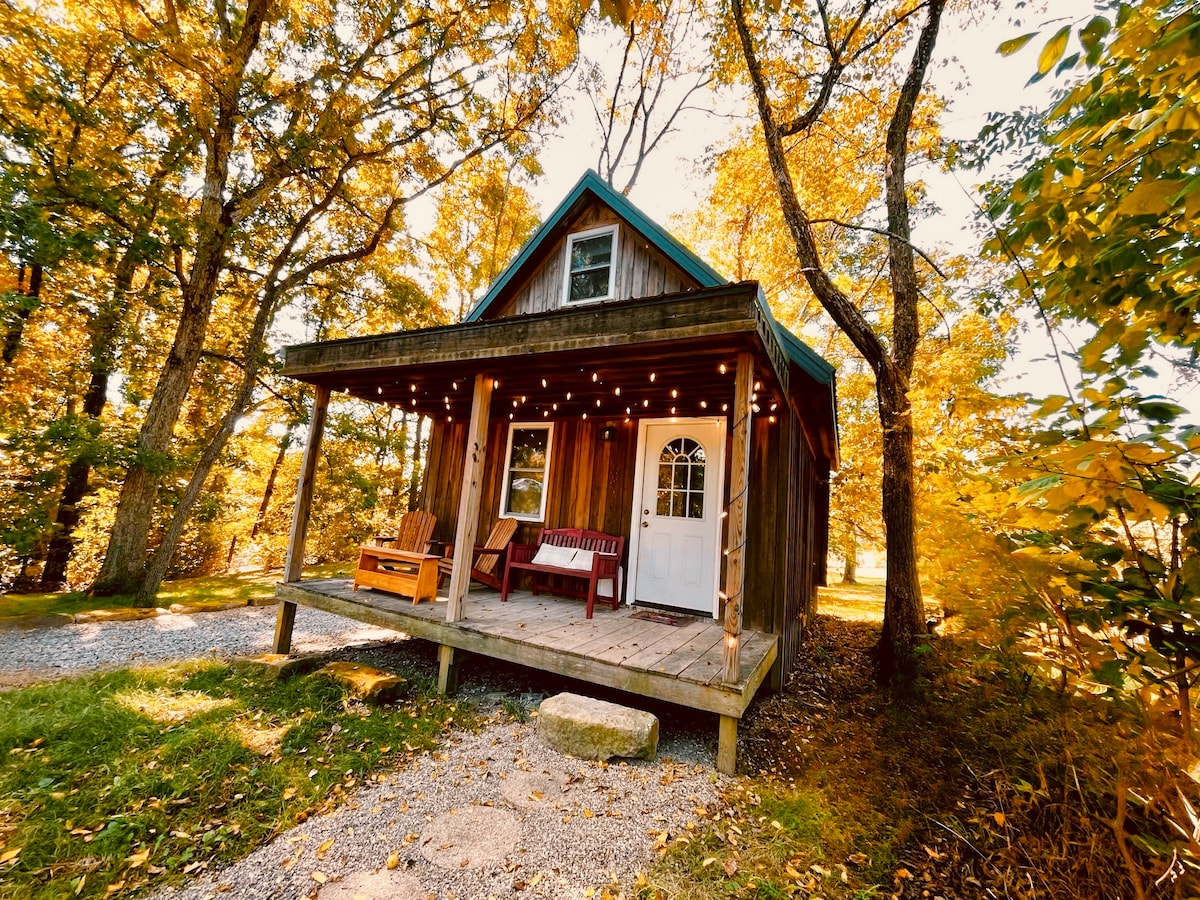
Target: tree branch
column 848, row 317
column 885, row 233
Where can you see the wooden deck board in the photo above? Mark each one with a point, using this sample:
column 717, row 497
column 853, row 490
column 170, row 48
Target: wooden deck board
column 671, row 663
column 655, row 651
column 566, row 637
column 684, row 656
column 707, row 668
column 641, row 639
column 606, row 638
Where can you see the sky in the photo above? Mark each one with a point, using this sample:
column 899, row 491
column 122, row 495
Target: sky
column 968, row 69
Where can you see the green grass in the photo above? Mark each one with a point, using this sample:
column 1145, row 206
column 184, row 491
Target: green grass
column 140, row 777
column 211, row 590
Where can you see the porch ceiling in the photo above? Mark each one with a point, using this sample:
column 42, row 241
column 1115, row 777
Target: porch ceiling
column 672, row 355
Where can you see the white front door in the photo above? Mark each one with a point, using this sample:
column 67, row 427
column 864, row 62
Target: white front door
column 677, row 517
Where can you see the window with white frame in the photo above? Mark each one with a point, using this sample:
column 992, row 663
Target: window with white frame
column 526, row 467
column 590, row 261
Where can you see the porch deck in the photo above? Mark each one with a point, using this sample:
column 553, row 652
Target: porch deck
column 677, row 663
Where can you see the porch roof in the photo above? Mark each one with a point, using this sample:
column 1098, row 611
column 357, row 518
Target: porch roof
column 667, row 355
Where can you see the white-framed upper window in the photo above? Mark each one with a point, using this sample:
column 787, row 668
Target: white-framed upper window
column 526, row 471
column 591, row 258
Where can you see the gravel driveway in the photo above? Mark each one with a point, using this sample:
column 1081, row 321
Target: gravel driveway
column 41, row 653
column 492, row 813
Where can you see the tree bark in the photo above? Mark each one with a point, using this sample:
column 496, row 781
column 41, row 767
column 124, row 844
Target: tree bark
column 277, row 287
column 397, row 489
column 33, row 299
column 850, row 569
column 903, row 608
column 15, row 332
column 156, row 568
column 269, row 490
column 106, row 331
column 891, row 365
column 414, row 478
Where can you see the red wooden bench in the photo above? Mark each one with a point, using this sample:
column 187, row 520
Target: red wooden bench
column 590, row 556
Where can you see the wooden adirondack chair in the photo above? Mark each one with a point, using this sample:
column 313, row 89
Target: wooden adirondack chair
column 488, row 559
column 412, row 534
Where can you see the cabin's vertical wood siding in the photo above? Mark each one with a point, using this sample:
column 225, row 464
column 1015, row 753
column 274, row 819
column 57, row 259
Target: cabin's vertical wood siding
column 590, row 482
column 785, row 537
column 640, row 270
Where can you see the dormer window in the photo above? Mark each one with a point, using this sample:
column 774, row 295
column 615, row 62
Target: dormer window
column 590, row 256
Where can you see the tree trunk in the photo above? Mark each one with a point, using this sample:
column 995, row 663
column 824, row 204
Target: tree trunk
column 397, row 492
column 253, row 354
column 850, row 569
column 126, row 553
column 33, row 299
column 903, row 610
column 892, row 365
column 269, row 490
column 414, row 478
column 156, row 568
column 122, row 570
column 106, row 329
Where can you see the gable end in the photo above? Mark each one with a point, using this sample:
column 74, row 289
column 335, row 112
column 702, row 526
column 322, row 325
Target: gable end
column 647, row 261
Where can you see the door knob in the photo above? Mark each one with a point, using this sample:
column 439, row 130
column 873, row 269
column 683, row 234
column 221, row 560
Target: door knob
column 645, row 524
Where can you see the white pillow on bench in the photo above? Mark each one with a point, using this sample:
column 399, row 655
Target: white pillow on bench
column 551, row 555
column 582, row 560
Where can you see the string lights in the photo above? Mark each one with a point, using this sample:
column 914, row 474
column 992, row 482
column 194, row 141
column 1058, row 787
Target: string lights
column 653, row 402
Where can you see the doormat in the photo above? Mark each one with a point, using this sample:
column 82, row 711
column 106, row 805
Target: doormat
column 661, row 618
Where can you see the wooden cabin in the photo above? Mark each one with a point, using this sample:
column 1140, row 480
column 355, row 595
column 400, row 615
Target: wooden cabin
column 609, row 380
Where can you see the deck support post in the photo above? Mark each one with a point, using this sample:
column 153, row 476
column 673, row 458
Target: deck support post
column 469, row 496
column 294, row 562
column 727, row 745
column 739, row 482
column 448, row 660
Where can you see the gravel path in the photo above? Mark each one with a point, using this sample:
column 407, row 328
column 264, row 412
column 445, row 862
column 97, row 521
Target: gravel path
column 494, row 813
column 41, row 653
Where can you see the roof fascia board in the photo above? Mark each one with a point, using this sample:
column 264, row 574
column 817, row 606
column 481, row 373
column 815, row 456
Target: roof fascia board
column 612, row 324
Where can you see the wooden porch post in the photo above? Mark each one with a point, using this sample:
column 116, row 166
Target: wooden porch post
column 739, row 480
column 469, row 497
column 294, row 562
column 735, row 567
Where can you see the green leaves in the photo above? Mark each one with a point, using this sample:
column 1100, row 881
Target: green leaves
column 1013, row 45
column 1106, row 214
column 1092, row 36
column 1053, row 50
column 1160, row 411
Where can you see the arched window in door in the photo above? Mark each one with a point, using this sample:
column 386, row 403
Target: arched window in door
column 681, row 479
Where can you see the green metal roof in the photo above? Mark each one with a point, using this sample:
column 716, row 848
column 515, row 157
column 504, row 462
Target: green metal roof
column 797, row 351
column 693, row 265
